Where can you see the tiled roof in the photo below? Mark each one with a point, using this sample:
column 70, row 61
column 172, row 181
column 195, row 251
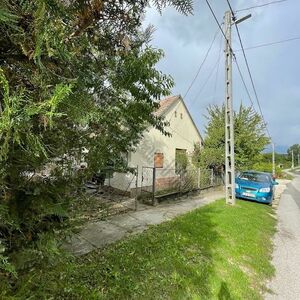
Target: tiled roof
column 165, row 104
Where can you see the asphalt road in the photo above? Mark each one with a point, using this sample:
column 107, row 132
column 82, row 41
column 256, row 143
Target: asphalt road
column 286, row 256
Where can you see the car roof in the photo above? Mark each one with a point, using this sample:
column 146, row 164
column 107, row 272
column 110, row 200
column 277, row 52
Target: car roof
column 257, row 172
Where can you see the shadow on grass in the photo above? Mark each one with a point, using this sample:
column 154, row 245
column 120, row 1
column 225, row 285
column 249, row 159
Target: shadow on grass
column 173, row 260
column 188, row 243
column 224, row 293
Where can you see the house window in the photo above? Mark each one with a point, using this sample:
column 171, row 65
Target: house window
column 158, row 160
column 181, row 116
column 175, row 114
column 181, row 160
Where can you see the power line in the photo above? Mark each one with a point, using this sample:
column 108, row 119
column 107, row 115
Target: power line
column 252, row 81
column 249, row 71
column 248, row 68
column 198, row 72
column 230, row 7
column 189, row 141
column 202, row 63
column 244, row 83
column 214, row 15
column 270, row 44
column 206, row 81
column 217, row 73
column 219, row 25
column 261, row 5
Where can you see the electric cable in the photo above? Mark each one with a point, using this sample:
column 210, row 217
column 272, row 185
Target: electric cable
column 261, row 5
column 249, row 71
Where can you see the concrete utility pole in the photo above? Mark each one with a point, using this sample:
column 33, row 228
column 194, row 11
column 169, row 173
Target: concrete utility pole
column 229, row 19
column 273, row 160
column 229, row 126
column 293, row 166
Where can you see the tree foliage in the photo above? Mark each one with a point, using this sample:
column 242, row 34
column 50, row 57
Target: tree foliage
column 294, row 149
column 74, row 75
column 250, row 138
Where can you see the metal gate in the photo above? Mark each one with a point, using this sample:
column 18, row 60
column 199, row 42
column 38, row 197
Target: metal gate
column 148, row 184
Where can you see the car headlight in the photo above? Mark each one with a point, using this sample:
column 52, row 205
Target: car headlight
column 237, row 186
column 265, row 190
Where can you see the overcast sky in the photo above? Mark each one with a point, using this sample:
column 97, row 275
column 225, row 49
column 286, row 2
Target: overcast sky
column 275, row 69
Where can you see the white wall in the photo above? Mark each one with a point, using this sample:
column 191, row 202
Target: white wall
column 122, row 181
column 184, row 136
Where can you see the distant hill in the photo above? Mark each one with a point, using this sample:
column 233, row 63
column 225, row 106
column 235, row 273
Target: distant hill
column 282, row 149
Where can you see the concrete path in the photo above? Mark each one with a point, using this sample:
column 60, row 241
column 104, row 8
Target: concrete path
column 286, row 257
column 99, row 234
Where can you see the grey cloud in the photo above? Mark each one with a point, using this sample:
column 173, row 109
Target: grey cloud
column 275, row 69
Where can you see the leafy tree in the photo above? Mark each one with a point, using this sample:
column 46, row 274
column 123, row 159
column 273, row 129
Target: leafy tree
column 74, row 75
column 296, row 150
column 280, row 159
column 250, row 138
column 181, row 161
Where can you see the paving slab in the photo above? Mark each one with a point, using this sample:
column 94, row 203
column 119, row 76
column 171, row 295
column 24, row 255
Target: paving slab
column 78, row 246
column 102, row 233
column 150, row 217
column 97, row 235
column 127, row 221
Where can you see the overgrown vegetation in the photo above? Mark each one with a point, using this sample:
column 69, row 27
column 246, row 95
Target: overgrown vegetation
column 250, row 138
column 295, row 149
column 77, row 83
column 216, row 252
column 282, row 161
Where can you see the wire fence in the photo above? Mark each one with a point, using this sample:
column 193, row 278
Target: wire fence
column 116, row 188
column 120, row 190
column 162, row 182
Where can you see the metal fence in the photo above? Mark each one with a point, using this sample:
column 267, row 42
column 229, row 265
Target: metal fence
column 120, row 189
column 117, row 188
column 162, row 182
column 147, row 185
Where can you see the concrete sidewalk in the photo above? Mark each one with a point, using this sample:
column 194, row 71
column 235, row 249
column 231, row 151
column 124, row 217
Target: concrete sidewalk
column 99, row 234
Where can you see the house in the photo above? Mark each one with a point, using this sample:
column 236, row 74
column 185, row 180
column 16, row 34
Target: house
column 162, row 152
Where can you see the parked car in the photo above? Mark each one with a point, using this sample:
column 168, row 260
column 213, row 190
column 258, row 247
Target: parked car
column 257, row 186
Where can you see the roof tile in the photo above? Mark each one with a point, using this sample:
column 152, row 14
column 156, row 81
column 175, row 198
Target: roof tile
column 165, row 104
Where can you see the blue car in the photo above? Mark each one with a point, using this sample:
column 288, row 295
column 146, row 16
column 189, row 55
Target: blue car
column 256, row 186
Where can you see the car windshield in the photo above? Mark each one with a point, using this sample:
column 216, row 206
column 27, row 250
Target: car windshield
column 257, row 177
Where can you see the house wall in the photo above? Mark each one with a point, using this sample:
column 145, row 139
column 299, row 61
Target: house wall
column 184, row 136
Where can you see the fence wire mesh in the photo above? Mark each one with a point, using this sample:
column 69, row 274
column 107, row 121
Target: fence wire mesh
column 117, row 189
column 160, row 182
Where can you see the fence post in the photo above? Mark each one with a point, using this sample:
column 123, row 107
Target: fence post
column 153, row 187
column 179, row 183
column 212, row 177
column 109, row 174
column 136, row 188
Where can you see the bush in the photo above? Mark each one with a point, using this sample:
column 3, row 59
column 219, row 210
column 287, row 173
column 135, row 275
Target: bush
column 267, row 167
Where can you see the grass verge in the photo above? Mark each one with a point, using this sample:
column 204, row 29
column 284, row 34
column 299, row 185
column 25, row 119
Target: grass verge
column 215, row 252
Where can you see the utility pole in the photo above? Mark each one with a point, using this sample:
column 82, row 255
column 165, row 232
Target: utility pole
column 229, row 19
column 273, row 160
column 298, row 159
column 293, row 166
column 229, row 126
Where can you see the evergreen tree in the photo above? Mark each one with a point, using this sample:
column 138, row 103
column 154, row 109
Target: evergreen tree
column 74, row 75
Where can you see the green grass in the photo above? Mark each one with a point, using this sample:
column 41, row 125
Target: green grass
column 215, row 252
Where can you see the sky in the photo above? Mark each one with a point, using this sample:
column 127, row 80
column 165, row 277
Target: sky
column 275, row 69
